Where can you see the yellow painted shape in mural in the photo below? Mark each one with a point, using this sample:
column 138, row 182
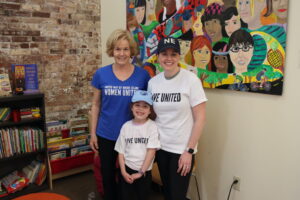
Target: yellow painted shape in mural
column 272, row 39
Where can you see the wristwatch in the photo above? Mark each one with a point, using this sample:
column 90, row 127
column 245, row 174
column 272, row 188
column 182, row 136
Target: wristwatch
column 190, row 150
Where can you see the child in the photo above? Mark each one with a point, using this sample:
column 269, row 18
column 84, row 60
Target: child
column 137, row 144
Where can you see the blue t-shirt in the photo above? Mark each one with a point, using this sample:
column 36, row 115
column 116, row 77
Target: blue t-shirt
column 115, row 99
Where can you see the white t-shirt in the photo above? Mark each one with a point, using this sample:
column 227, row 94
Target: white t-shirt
column 134, row 140
column 173, row 100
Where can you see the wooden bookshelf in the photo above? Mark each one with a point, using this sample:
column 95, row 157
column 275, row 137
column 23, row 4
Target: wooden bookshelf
column 17, row 161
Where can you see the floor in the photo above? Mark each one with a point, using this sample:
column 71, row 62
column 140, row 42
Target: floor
column 83, row 187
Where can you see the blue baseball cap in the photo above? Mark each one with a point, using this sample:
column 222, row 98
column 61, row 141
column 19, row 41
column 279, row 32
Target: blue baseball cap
column 142, row 95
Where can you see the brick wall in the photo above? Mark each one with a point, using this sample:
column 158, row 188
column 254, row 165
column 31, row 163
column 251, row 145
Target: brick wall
column 63, row 38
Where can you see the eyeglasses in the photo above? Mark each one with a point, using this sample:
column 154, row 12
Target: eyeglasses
column 236, row 49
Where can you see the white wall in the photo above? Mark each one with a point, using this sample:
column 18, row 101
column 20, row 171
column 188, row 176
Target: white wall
column 252, row 136
column 113, row 16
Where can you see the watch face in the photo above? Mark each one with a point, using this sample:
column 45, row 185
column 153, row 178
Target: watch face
column 191, row 150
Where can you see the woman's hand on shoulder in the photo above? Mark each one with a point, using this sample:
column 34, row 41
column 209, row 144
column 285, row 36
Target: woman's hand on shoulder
column 184, row 163
column 94, row 143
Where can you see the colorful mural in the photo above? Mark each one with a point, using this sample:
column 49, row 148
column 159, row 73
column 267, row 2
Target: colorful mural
column 229, row 44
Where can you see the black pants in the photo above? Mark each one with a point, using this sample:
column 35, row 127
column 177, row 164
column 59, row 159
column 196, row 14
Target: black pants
column 139, row 189
column 108, row 157
column 175, row 186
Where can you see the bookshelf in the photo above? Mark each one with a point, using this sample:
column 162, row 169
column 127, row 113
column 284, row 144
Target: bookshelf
column 68, row 147
column 21, row 154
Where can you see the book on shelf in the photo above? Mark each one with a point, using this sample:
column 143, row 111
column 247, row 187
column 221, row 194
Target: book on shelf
column 42, row 174
column 14, row 181
column 5, row 114
column 35, row 172
column 80, row 140
column 25, row 78
column 5, row 87
column 58, row 155
column 59, row 144
column 20, row 140
column 80, row 150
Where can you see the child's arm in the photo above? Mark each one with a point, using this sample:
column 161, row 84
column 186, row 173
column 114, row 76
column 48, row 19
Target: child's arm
column 126, row 176
column 147, row 162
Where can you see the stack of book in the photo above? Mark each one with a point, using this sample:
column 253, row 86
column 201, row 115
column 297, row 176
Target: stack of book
column 13, row 182
column 29, row 113
column 35, row 172
column 77, row 142
column 20, row 140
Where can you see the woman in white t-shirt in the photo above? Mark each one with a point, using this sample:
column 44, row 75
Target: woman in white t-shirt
column 179, row 102
column 136, row 145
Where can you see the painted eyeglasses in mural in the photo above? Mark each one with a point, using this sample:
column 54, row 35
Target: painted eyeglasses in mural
column 229, row 44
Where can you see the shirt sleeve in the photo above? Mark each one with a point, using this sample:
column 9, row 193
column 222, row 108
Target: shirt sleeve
column 153, row 141
column 96, row 81
column 197, row 94
column 120, row 143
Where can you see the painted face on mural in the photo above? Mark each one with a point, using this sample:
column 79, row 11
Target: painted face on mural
column 121, row 52
column 251, row 17
column 214, row 29
column 240, row 55
column 187, row 24
column 202, row 57
column 280, row 8
column 140, row 14
column 221, row 63
column 233, row 24
column 184, row 48
column 244, row 9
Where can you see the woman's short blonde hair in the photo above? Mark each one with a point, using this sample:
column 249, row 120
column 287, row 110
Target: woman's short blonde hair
column 118, row 35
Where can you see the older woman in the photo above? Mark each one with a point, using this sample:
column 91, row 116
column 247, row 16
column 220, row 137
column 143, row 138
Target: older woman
column 179, row 102
column 113, row 87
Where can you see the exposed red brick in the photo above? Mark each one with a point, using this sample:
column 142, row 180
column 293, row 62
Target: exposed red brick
column 31, row 33
column 24, row 45
column 17, row 13
column 20, row 39
column 5, row 46
column 41, row 14
column 14, row 46
column 34, row 45
column 39, row 39
column 67, row 56
column 73, row 51
column 67, row 21
column 11, row 32
column 4, row 39
column 57, row 51
column 10, row 6
column 16, row 1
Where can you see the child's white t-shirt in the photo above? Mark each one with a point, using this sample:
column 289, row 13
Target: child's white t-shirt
column 134, row 140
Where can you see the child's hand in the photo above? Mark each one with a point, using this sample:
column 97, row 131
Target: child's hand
column 127, row 178
column 136, row 176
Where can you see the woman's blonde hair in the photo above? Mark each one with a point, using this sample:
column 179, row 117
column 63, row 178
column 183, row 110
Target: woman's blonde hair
column 117, row 35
